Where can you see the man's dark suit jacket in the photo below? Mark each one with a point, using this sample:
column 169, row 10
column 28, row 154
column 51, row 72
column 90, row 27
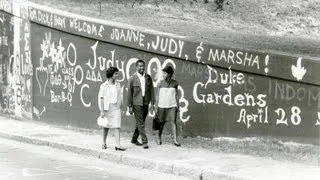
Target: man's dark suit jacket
column 135, row 93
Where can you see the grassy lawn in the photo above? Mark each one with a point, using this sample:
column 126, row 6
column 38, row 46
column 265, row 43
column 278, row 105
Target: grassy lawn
column 291, row 26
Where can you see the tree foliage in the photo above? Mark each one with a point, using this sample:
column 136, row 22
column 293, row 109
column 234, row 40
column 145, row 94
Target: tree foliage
column 218, row 3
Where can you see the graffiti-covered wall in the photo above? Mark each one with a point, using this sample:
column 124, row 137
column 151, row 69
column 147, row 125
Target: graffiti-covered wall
column 223, row 91
column 16, row 68
column 6, row 63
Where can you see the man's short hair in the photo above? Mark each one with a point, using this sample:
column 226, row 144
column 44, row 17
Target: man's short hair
column 140, row 61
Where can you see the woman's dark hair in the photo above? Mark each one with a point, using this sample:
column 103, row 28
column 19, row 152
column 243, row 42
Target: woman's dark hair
column 168, row 69
column 110, row 71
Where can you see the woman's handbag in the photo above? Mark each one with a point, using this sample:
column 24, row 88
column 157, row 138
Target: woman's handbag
column 156, row 123
column 102, row 121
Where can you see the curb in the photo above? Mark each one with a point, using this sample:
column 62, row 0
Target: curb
column 178, row 169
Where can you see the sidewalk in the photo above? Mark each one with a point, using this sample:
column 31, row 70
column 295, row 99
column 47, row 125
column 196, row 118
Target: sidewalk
column 192, row 163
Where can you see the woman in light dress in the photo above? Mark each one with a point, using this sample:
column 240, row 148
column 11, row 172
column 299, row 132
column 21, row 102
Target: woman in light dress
column 109, row 100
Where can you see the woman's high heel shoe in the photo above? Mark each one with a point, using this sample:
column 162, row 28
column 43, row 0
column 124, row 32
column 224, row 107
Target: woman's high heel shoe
column 177, row 144
column 104, row 146
column 120, row 149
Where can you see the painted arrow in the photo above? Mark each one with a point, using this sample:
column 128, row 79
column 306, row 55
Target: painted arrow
column 298, row 71
column 318, row 121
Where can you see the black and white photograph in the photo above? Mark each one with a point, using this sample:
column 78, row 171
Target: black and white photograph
column 159, row 89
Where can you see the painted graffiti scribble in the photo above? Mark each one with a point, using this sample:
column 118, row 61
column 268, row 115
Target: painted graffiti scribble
column 61, row 70
column 215, row 83
column 7, row 67
column 6, row 5
column 248, row 101
column 128, row 35
column 285, row 91
column 231, row 57
column 53, row 69
column 86, row 27
column 318, row 120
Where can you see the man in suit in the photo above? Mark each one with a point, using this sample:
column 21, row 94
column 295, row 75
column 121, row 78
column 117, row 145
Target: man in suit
column 140, row 95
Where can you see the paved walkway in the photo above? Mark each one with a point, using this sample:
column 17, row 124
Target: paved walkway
column 192, row 163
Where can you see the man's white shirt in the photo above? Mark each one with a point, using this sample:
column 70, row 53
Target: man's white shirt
column 142, row 79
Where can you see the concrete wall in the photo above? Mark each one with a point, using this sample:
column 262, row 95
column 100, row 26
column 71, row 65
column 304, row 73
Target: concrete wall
column 224, row 91
column 16, row 70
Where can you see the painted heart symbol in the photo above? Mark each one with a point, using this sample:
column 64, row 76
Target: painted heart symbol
column 40, row 73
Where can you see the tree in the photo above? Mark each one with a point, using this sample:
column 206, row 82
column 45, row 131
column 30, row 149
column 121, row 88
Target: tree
column 135, row 1
column 219, row 4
